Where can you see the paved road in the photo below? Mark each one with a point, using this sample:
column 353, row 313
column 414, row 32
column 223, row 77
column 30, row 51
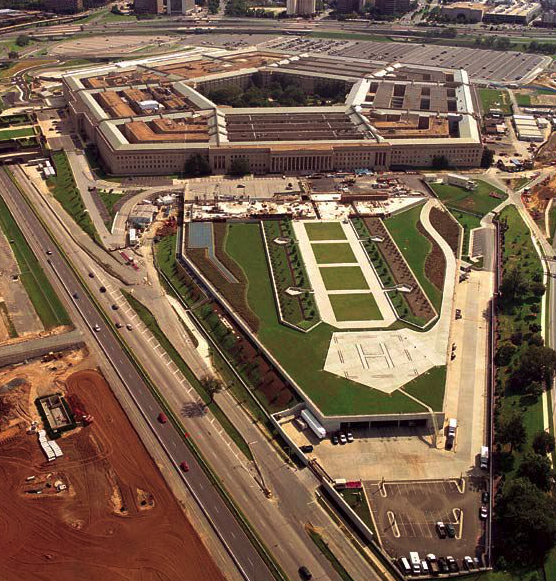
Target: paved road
column 244, row 554
column 295, row 506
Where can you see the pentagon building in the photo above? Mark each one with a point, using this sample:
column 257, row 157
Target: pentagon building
column 148, row 117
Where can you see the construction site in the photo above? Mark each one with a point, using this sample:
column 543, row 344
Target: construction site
column 100, row 506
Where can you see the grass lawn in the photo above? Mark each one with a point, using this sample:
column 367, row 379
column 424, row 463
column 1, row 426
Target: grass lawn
column 523, row 100
column 519, row 252
column 6, row 134
column 495, row 99
column 476, row 201
column 325, row 231
column 303, row 354
column 65, row 190
column 109, row 200
column 333, row 253
column 328, row 554
column 47, row 304
column 357, row 500
column 415, row 248
column 343, row 278
column 429, row 387
column 150, row 322
column 552, row 221
column 468, row 222
column 355, row 307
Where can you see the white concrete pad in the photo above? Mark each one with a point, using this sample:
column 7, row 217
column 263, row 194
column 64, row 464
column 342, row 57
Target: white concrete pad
column 384, row 360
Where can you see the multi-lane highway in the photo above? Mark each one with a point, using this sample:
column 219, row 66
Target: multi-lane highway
column 245, row 556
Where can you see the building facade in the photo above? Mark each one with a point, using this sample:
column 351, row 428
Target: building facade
column 149, row 7
column 63, row 6
column 301, row 7
column 392, row 6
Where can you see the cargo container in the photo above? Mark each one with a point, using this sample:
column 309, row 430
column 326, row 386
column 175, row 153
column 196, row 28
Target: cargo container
column 312, row 422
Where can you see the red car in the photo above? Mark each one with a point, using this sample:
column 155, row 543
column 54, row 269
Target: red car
column 162, row 418
column 184, row 466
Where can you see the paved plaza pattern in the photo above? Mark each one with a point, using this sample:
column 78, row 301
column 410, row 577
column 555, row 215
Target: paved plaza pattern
column 365, row 280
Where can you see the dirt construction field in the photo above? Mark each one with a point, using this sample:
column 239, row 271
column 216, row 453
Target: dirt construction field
column 117, row 521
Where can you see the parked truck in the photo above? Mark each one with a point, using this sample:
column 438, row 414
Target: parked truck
column 312, row 422
column 452, row 427
column 454, row 179
column 484, row 457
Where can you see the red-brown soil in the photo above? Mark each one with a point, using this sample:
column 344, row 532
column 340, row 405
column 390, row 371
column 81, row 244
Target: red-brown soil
column 417, row 301
column 81, row 533
column 447, row 227
column 435, row 263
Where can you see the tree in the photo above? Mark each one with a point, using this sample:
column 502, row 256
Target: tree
column 12, row 55
column 22, row 40
column 514, row 285
column 512, row 432
column 543, row 443
column 504, row 354
column 487, row 158
column 538, row 470
column 440, row 162
column 239, row 166
column 527, row 517
column 536, row 364
column 197, row 165
column 212, row 385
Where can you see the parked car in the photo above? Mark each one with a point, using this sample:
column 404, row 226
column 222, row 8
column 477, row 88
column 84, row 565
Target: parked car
column 343, row 439
column 96, row 328
column 75, row 296
column 49, row 252
column 128, row 327
column 468, row 563
column 115, row 307
column 307, row 448
column 443, row 564
column 451, row 530
column 304, row 573
column 102, row 289
column 91, row 275
column 119, row 325
column 162, row 418
column 184, row 466
column 441, row 529
column 485, row 497
column 483, row 512
column 453, row 566
column 334, row 439
column 349, row 437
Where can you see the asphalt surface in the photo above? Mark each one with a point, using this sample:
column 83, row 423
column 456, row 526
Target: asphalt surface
column 231, row 534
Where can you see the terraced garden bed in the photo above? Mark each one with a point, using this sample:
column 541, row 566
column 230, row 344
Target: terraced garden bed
column 447, row 227
column 419, row 309
column 289, row 273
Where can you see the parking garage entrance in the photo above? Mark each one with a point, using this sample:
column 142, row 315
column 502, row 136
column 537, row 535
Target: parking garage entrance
column 415, row 423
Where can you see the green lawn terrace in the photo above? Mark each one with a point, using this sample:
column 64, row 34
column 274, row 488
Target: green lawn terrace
column 302, row 353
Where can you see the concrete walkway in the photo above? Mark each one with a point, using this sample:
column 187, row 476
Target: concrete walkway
column 322, row 295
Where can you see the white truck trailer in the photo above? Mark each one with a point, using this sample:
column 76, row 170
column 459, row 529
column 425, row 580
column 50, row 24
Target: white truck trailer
column 454, row 179
column 312, row 422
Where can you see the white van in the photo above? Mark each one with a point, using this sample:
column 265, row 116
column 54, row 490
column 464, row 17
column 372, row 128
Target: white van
column 415, row 563
column 484, row 457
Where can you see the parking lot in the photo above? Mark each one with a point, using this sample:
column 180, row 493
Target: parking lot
column 406, row 513
column 482, row 65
